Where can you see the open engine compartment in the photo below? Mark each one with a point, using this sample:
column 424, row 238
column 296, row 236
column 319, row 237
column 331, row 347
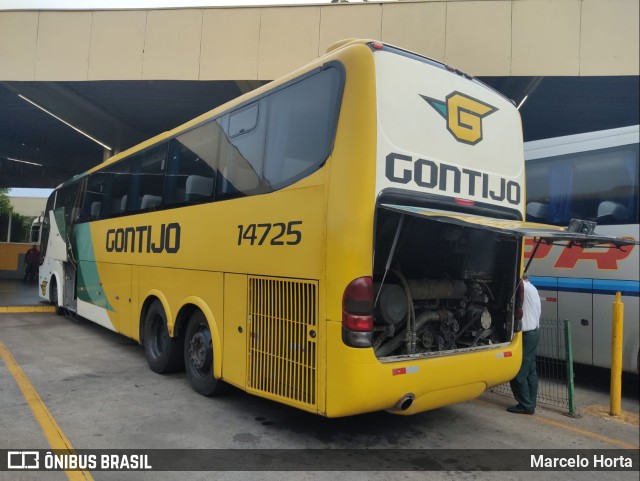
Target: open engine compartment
column 441, row 288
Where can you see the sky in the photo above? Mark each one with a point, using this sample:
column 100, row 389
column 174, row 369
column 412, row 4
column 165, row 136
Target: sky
column 126, row 4
column 23, row 192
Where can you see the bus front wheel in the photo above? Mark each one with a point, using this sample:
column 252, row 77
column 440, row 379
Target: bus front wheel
column 198, row 356
column 163, row 352
column 53, row 296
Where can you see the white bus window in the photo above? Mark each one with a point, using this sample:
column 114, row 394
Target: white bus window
column 599, row 185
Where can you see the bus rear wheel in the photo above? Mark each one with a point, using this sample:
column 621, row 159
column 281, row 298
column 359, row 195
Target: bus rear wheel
column 198, row 356
column 163, row 352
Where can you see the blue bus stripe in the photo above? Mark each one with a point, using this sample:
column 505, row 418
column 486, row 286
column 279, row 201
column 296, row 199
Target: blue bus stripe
column 595, row 286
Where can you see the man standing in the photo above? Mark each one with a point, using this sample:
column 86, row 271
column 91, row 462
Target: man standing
column 525, row 384
column 32, row 261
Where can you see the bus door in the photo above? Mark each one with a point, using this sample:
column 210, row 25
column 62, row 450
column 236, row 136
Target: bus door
column 69, row 286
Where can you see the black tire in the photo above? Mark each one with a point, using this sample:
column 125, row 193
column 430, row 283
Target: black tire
column 53, row 296
column 164, row 353
column 198, row 356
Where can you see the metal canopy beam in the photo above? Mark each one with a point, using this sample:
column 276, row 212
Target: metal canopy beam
column 79, row 112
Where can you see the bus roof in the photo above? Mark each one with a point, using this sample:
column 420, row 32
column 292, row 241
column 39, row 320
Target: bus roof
column 570, row 144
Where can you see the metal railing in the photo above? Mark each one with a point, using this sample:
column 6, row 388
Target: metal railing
column 554, row 365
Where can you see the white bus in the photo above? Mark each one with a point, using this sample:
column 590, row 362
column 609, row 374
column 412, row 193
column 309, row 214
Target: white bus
column 592, row 176
column 36, row 230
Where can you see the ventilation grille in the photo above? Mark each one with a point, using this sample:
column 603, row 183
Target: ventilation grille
column 282, row 338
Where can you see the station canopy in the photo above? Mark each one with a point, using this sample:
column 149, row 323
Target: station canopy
column 38, row 150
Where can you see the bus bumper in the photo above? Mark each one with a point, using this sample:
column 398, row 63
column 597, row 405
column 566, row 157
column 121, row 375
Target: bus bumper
column 357, row 382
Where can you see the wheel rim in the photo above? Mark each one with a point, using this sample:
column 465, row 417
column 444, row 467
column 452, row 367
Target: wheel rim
column 200, row 351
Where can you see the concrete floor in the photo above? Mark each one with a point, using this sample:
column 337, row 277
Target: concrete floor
column 97, row 386
column 19, row 293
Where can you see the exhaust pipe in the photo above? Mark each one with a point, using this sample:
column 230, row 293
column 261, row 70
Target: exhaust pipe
column 404, row 402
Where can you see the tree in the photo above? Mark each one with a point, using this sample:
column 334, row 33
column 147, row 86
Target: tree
column 5, row 203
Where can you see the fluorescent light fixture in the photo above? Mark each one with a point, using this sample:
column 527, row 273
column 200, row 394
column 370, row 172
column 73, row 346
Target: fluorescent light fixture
column 522, row 101
column 23, row 161
column 64, row 121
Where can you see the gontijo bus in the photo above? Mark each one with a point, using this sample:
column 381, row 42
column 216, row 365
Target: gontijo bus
column 345, row 239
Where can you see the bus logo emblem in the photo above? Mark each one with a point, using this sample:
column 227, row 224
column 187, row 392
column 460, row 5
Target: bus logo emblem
column 463, row 114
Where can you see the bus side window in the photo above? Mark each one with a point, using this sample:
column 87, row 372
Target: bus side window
column 537, row 212
column 193, row 160
column 599, row 185
column 95, row 210
column 120, row 181
column 69, row 201
column 241, row 152
column 96, row 202
column 302, row 124
column 147, row 184
column 611, row 213
column 198, row 187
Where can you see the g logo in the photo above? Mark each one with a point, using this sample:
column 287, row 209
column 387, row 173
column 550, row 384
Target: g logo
column 463, row 114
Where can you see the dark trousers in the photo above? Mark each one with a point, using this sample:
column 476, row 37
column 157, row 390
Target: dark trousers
column 525, row 384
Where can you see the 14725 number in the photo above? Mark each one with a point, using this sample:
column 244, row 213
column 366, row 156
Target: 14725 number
column 276, row 234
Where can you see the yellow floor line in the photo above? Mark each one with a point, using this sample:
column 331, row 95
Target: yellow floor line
column 583, row 432
column 50, row 428
column 21, row 309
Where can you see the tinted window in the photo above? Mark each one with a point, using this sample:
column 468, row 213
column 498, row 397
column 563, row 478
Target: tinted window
column 192, row 165
column 46, row 226
column 97, row 201
column 147, row 182
column 264, row 146
column 600, row 186
column 243, row 120
column 69, row 202
column 277, row 141
column 302, row 123
column 120, row 174
column 241, row 156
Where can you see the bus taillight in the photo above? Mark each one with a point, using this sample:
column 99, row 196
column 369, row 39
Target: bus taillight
column 357, row 313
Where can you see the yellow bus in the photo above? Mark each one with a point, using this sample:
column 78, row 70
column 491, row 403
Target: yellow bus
column 345, row 239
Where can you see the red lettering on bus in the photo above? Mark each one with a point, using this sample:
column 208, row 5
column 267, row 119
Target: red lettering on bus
column 606, row 259
column 541, row 253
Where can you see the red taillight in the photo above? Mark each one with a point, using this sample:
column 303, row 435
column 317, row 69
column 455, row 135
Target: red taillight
column 464, row 201
column 357, row 323
column 357, row 305
column 377, row 45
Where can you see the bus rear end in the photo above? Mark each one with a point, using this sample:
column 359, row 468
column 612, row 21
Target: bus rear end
column 427, row 313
